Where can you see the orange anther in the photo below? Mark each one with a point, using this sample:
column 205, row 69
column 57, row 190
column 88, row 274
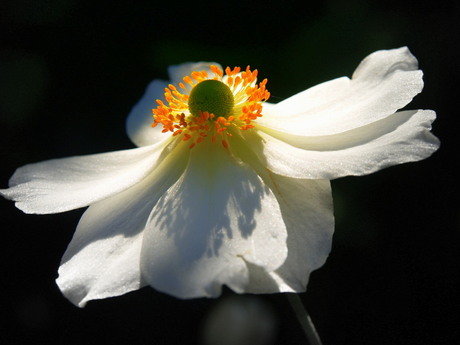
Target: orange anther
column 216, row 70
column 196, row 76
column 230, row 81
column 237, row 81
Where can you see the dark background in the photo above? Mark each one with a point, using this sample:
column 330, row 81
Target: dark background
column 71, row 70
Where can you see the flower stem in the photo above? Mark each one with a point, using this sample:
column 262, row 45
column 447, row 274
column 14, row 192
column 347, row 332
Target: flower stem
column 304, row 319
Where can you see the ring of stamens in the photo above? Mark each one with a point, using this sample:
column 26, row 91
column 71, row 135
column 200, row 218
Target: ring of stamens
column 175, row 116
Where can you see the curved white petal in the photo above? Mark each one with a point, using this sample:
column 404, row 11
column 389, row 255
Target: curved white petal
column 384, row 82
column 103, row 258
column 307, row 210
column 61, row 185
column 215, row 218
column 140, row 119
column 400, row 138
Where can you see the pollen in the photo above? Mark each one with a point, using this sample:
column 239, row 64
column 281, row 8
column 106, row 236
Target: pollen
column 216, row 106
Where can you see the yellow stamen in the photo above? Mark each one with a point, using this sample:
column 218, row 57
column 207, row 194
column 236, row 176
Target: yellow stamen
column 177, row 118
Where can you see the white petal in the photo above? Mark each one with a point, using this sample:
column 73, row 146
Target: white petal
column 400, row 138
column 307, row 210
column 103, row 258
column 140, row 119
column 218, row 216
column 384, row 82
column 64, row 184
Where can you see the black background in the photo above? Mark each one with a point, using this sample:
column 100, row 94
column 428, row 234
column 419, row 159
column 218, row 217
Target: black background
column 71, row 70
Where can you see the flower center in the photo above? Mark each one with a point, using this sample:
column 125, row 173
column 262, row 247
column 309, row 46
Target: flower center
column 211, row 96
column 215, row 107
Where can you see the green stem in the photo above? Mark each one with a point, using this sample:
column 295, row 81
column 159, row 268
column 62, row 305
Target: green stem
column 304, row 319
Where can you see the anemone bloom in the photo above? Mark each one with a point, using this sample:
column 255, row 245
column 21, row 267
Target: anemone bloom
column 226, row 189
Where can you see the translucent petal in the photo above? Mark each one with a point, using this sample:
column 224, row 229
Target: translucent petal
column 307, row 211
column 384, row 82
column 399, row 138
column 140, row 119
column 61, row 185
column 103, row 258
column 215, row 218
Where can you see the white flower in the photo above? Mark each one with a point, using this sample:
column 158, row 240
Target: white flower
column 234, row 198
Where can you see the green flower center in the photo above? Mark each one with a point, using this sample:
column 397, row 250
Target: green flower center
column 211, row 96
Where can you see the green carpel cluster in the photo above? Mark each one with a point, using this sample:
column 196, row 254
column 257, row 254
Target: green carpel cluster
column 211, row 96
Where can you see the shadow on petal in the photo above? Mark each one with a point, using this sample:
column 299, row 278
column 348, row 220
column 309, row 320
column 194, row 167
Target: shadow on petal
column 215, row 197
